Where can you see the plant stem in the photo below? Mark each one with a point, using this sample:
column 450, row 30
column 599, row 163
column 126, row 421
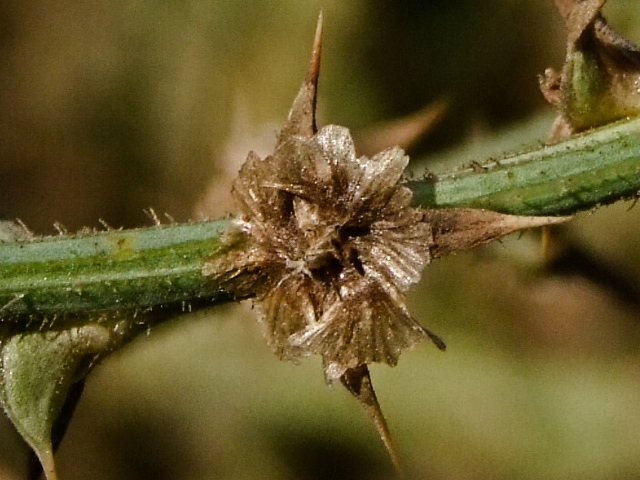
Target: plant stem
column 110, row 271
column 580, row 173
column 161, row 266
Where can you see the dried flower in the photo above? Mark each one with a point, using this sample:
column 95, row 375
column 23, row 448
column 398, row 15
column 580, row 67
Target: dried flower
column 338, row 246
column 329, row 243
column 334, row 244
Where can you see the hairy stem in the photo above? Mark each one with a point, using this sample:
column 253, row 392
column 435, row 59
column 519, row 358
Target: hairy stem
column 160, row 268
column 580, row 173
column 130, row 270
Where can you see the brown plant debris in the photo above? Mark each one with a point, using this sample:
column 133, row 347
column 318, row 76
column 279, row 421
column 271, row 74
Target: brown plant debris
column 329, row 244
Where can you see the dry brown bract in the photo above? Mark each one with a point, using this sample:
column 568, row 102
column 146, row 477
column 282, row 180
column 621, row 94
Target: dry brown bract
column 329, row 244
column 338, row 246
column 334, row 244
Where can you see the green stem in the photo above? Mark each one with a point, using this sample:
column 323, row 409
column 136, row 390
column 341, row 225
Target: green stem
column 110, row 271
column 580, row 173
column 149, row 268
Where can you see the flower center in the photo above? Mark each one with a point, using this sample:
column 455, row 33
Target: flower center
column 335, row 253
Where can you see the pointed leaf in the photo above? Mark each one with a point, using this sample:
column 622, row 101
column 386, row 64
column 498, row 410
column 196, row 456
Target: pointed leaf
column 37, row 371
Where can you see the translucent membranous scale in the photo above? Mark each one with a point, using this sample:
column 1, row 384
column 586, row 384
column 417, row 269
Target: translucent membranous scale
column 335, row 244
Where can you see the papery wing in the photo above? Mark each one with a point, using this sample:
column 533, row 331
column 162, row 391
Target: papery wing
column 360, row 183
column 318, row 169
column 286, row 310
column 379, row 181
column 392, row 261
column 302, row 161
column 337, row 145
column 365, row 325
column 349, row 174
column 254, row 198
column 398, row 247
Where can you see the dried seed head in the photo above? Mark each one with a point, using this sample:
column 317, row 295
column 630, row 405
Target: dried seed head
column 333, row 243
column 336, row 244
column 329, row 244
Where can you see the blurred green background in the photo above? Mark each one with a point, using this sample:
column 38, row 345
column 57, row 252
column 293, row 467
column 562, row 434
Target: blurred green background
column 110, row 107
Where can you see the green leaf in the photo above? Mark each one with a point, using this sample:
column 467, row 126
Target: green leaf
column 37, row 371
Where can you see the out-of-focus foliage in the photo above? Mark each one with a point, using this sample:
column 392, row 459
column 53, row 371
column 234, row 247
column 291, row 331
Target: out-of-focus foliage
column 111, row 107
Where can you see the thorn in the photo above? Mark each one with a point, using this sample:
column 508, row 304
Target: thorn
column 358, row 382
column 302, row 116
column 314, row 68
column 581, row 16
column 456, row 229
column 438, row 342
column 578, row 14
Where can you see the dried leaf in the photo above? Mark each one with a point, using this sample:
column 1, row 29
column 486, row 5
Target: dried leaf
column 456, row 229
column 332, row 245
